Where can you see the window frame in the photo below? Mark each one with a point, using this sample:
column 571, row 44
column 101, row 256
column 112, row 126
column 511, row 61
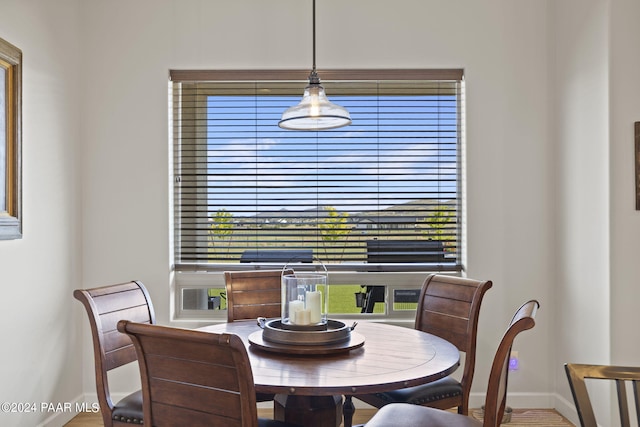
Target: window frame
column 391, row 280
column 393, row 275
column 11, row 215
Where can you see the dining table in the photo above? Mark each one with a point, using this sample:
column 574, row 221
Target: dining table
column 309, row 382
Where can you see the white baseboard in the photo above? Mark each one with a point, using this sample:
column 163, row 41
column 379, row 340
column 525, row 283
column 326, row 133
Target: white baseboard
column 567, row 409
column 518, row 400
column 60, row 418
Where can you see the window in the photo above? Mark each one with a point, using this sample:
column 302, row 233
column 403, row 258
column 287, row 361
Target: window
column 383, row 194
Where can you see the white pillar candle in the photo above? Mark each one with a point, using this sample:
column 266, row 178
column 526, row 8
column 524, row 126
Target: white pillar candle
column 302, row 317
column 314, row 305
column 294, row 307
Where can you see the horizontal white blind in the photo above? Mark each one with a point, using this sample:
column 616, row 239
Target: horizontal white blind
column 382, row 192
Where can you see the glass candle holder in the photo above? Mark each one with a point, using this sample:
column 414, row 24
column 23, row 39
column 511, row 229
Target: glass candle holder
column 304, row 299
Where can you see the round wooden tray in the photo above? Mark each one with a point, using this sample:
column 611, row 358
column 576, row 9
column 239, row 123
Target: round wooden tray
column 355, row 340
column 333, row 332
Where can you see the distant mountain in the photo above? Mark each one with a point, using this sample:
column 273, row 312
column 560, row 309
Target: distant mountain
column 285, row 213
column 404, row 208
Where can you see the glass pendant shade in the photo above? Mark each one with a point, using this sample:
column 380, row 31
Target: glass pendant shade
column 314, row 112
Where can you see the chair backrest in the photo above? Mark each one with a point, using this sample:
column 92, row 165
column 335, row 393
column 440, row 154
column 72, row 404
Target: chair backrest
column 193, row 378
column 253, row 294
column 449, row 307
column 578, row 373
column 496, row 397
column 105, row 307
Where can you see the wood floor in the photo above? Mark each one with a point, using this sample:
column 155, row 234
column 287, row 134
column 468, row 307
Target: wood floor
column 361, row 416
column 95, row 420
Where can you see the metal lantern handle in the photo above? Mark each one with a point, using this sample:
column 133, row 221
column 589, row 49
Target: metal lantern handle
column 314, row 258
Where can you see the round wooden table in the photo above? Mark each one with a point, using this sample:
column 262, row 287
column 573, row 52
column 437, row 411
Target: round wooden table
column 309, row 387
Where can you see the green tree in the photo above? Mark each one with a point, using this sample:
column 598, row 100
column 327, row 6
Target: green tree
column 437, row 222
column 221, row 227
column 334, row 227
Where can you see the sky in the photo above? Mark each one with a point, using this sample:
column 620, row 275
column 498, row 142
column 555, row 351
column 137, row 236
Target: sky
column 396, row 150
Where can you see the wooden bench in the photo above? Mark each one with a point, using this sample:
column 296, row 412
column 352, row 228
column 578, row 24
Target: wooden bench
column 405, row 251
column 277, row 255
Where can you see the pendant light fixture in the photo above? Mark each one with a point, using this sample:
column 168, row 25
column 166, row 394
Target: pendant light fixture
column 315, row 111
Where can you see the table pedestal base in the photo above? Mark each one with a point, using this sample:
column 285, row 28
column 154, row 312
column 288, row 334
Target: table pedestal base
column 308, row 411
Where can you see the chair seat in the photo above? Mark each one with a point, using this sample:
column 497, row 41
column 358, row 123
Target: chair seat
column 129, row 409
column 264, row 397
column 420, row 395
column 407, row 415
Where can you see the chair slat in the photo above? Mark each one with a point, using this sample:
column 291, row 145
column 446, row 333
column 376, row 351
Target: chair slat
column 453, row 329
column 623, row 406
column 257, row 297
column 198, row 373
column 636, row 400
column 119, row 357
column 219, row 401
column 255, row 311
column 577, row 374
column 201, row 352
column 119, row 300
column 138, row 314
column 266, row 282
column 172, row 416
column 460, row 292
column 114, row 340
column 114, row 289
column 451, row 307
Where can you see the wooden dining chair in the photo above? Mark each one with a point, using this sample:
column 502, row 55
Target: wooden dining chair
column 105, row 306
column 621, row 375
column 404, row 414
column 194, row 378
column 448, row 307
column 253, row 294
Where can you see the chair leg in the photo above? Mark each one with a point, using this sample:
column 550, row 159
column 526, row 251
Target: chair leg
column 348, row 409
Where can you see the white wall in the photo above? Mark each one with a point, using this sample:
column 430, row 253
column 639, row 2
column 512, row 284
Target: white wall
column 579, row 53
column 128, row 47
column 625, row 220
column 551, row 97
column 40, row 323
column 596, row 64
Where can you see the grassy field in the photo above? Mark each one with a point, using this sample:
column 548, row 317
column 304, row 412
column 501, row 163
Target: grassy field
column 342, row 299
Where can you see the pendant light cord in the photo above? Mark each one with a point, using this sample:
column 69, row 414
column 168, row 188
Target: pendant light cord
column 314, row 34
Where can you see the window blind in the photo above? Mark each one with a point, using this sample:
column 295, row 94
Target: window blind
column 383, row 193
